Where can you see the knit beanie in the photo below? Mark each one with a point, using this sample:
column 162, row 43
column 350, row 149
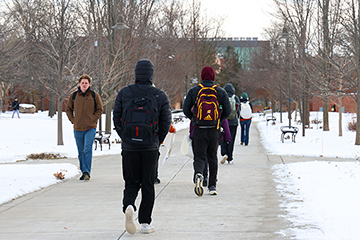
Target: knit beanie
column 207, row 73
column 244, row 96
column 144, row 71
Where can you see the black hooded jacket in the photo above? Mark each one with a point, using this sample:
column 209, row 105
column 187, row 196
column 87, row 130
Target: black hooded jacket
column 143, row 80
column 229, row 88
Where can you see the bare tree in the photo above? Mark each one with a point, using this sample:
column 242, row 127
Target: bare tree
column 58, row 27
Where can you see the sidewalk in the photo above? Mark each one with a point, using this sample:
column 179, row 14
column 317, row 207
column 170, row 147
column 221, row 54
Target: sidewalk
column 246, row 207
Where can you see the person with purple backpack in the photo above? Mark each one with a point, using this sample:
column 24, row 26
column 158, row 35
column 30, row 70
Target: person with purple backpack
column 206, row 117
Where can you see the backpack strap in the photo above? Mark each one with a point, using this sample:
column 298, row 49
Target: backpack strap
column 73, row 96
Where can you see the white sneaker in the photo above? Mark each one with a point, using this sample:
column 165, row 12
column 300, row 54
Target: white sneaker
column 230, row 162
column 224, row 159
column 129, row 220
column 198, row 189
column 147, row 228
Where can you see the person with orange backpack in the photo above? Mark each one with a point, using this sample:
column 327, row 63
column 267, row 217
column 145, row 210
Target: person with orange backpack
column 202, row 106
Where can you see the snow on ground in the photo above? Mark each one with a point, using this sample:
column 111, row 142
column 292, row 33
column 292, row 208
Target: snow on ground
column 319, row 198
column 37, row 133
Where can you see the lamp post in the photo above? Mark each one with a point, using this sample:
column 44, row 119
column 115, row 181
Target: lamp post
column 303, row 91
column 120, row 26
column 276, row 50
column 112, row 59
column 285, row 34
column 98, row 47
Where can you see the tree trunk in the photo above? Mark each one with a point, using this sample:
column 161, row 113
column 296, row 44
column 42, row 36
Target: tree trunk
column 340, row 117
column 325, row 113
column 357, row 136
column 60, row 140
column 326, row 54
column 108, row 108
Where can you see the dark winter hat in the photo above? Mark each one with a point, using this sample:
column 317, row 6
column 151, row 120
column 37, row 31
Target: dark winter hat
column 229, row 88
column 207, row 73
column 244, row 96
column 144, row 71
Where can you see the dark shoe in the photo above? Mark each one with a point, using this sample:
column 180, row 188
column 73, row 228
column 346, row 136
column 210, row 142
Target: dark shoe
column 205, row 182
column 198, row 184
column 86, row 176
column 212, row 190
column 246, row 144
column 157, row 181
column 242, row 143
column 82, row 177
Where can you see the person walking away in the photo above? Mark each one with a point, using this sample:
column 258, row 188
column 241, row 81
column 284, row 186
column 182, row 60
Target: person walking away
column 142, row 118
column 202, row 106
column 225, row 136
column 84, row 109
column 227, row 148
column 245, row 118
column 15, row 107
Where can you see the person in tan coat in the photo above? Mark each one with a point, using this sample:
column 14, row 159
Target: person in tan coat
column 84, row 109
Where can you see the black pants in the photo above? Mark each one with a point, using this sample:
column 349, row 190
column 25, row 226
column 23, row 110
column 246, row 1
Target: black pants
column 205, row 145
column 228, row 149
column 139, row 169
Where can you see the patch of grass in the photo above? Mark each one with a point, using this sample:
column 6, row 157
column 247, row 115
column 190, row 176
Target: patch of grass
column 35, row 156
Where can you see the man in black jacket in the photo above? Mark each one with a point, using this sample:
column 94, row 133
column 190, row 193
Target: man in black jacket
column 227, row 149
column 140, row 161
column 15, row 107
column 206, row 138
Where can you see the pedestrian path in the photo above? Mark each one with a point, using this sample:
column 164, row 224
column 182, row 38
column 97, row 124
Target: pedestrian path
column 246, row 207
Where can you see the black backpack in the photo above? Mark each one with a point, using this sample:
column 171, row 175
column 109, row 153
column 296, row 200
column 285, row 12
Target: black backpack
column 139, row 121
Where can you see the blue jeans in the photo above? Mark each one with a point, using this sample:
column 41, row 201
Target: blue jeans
column 245, row 128
column 16, row 111
column 84, row 142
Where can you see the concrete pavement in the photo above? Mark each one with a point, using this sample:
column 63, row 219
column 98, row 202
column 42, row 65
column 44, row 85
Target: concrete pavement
column 246, row 207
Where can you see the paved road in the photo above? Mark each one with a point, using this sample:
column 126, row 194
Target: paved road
column 246, row 207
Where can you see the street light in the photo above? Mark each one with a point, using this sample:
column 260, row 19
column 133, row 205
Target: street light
column 120, row 25
column 285, row 34
column 275, row 51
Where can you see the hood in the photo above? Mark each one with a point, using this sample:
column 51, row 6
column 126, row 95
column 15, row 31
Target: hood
column 244, row 97
column 144, row 71
column 208, row 73
column 229, row 88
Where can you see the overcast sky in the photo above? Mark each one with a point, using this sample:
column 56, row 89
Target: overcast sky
column 245, row 18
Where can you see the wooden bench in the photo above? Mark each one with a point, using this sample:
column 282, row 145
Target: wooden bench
column 270, row 118
column 102, row 137
column 290, row 130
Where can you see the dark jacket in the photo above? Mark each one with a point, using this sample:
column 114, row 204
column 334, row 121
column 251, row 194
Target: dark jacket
column 143, row 79
column 222, row 97
column 230, row 90
column 82, row 112
column 15, row 105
